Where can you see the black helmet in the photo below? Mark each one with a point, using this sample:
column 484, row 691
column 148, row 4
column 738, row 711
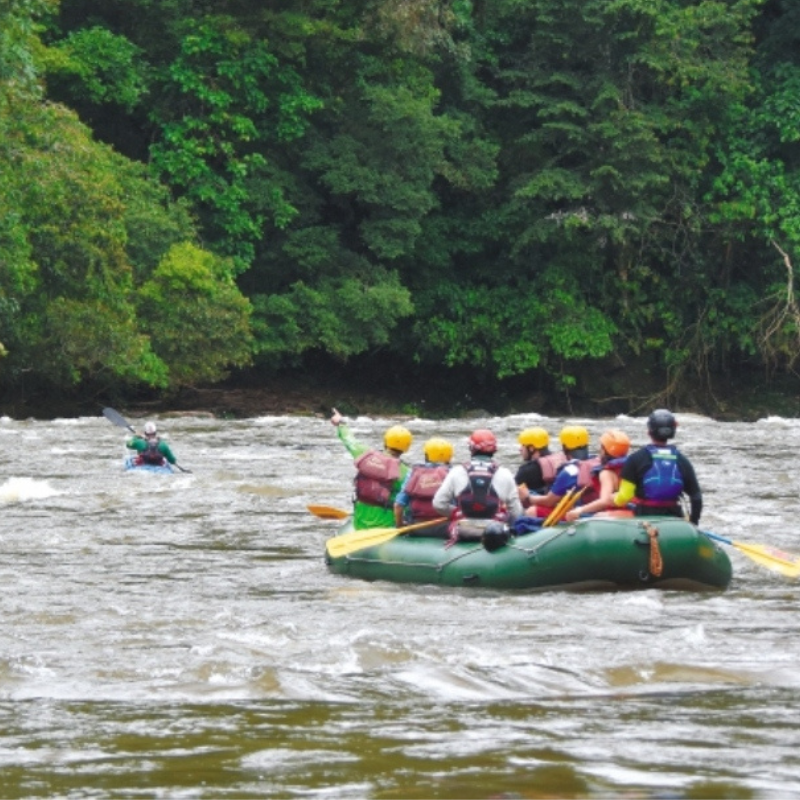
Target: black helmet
column 661, row 425
column 495, row 535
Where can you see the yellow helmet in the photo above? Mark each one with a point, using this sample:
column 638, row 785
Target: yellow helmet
column 574, row 437
column 615, row 443
column 537, row 438
column 397, row 438
column 438, row 450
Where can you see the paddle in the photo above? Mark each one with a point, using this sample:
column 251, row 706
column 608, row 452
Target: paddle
column 117, row 419
column 564, row 505
column 328, row 512
column 348, row 543
column 785, row 563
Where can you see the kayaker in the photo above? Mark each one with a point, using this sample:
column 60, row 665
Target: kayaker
column 151, row 449
column 614, row 447
column 656, row 475
column 479, row 492
column 379, row 474
column 414, row 501
column 576, row 472
column 539, row 466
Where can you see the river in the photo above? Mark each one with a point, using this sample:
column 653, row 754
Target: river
column 180, row 636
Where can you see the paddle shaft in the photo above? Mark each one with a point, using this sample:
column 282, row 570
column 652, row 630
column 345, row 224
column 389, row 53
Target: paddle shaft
column 787, row 564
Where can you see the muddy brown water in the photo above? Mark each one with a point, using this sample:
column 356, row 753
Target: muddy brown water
column 179, row 636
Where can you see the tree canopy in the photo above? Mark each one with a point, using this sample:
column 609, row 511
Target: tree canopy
column 519, row 188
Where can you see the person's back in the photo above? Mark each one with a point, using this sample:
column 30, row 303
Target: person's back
column 539, row 466
column 614, row 446
column 414, row 501
column 379, row 474
column 575, row 473
column 656, row 475
column 480, row 490
column 150, row 448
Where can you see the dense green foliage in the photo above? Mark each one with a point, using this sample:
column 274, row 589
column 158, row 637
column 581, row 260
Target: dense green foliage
column 519, row 188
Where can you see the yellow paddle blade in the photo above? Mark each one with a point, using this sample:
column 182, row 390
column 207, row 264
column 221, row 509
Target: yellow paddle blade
column 352, row 541
column 771, row 558
column 328, row 512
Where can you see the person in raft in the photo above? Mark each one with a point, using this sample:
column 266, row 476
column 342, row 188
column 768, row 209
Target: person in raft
column 539, row 466
column 379, row 474
column 150, row 448
column 656, row 475
column 414, row 501
column 614, row 447
column 478, row 493
column 576, row 472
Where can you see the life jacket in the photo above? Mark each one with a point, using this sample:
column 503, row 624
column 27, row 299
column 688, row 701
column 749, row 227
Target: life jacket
column 613, row 465
column 421, row 486
column 584, row 479
column 479, row 498
column 375, row 478
column 550, row 465
column 151, row 455
column 662, row 484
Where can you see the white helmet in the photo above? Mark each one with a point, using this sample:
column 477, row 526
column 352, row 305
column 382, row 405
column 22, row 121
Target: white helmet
column 150, row 429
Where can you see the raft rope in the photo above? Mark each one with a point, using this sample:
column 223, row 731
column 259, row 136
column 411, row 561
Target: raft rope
column 656, row 561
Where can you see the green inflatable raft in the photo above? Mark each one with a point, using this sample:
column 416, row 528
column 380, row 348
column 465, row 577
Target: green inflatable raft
column 594, row 554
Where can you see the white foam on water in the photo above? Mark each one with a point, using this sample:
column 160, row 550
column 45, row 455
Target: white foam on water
column 18, row 490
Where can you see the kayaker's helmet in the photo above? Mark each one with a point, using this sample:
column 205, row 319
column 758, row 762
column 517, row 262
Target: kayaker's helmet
column 482, row 441
column 615, row 443
column 438, row 450
column 397, row 438
column 150, row 429
column 537, row 438
column 661, row 425
column 573, row 437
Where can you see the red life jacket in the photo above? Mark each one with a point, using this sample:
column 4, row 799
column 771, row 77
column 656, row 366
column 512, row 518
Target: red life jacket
column 152, row 455
column 550, row 464
column 587, row 480
column 421, row 486
column 612, row 465
column 375, row 478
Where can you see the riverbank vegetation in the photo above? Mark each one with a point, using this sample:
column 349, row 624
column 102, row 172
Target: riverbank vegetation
column 592, row 203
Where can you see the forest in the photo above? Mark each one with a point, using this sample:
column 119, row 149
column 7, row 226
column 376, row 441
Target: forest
column 578, row 197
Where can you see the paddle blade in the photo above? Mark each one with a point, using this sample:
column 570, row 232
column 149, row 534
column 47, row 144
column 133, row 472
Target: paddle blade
column 115, row 418
column 328, row 512
column 357, row 540
column 773, row 559
column 352, row 541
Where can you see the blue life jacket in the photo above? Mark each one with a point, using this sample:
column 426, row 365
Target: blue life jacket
column 663, row 482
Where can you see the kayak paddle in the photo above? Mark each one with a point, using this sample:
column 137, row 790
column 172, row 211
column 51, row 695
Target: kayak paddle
column 117, row 419
column 349, row 542
column 785, row 563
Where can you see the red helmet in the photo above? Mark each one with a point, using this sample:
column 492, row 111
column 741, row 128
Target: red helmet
column 483, row 441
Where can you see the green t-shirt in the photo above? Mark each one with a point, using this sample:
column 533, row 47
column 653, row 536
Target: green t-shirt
column 364, row 514
column 139, row 444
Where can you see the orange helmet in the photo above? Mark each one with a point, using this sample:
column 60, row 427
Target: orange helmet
column 483, row 441
column 615, row 443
